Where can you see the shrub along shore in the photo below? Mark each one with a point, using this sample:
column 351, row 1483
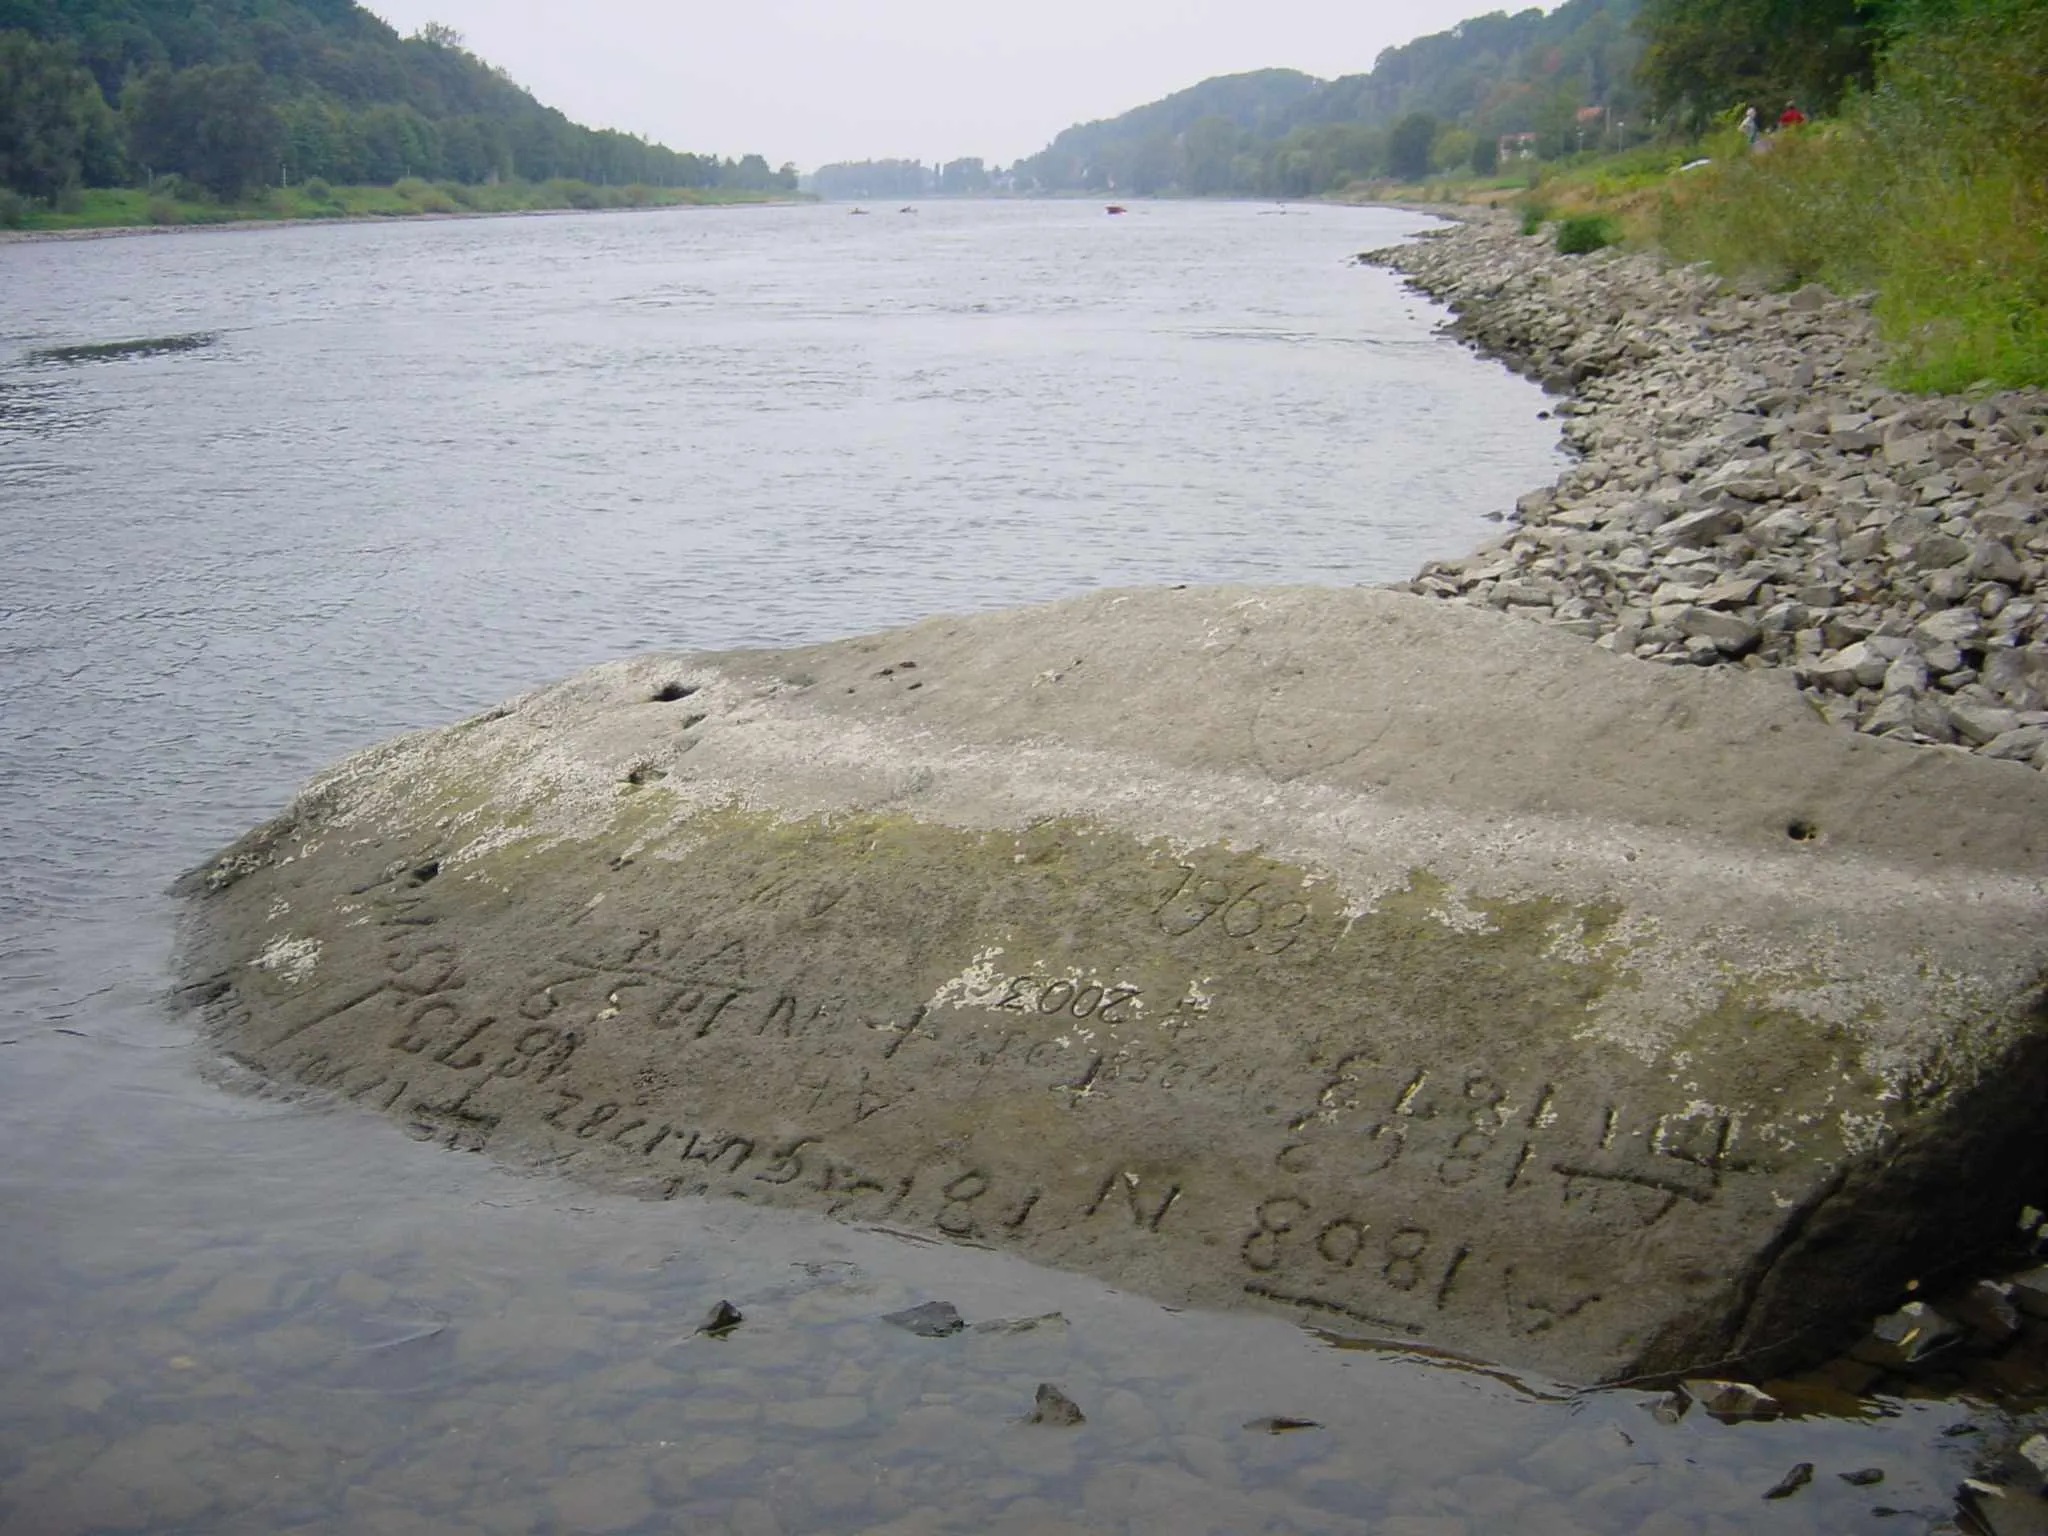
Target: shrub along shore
column 1749, row 492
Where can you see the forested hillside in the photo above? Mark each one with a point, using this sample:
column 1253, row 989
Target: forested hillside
column 232, row 95
column 1439, row 101
column 1144, row 150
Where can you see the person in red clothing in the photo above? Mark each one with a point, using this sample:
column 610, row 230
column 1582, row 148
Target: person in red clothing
column 1791, row 117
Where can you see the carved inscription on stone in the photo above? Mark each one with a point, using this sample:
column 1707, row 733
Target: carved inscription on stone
column 1216, row 1082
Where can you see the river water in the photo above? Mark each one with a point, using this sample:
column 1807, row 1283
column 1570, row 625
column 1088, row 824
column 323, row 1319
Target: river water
column 421, row 467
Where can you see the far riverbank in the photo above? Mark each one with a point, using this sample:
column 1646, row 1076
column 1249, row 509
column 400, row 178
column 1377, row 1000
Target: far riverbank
column 119, row 214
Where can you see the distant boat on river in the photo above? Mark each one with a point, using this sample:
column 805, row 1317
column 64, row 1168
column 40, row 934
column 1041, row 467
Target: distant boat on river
column 1118, row 208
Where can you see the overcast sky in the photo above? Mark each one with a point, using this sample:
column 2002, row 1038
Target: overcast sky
column 819, row 80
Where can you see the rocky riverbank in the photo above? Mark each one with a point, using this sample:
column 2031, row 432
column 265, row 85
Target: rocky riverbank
column 1748, row 492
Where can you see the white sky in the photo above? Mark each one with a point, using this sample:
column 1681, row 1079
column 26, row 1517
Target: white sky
column 819, row 80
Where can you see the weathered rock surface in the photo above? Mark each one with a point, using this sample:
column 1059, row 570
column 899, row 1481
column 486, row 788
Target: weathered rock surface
column 1423, row 970
column 1748, row 492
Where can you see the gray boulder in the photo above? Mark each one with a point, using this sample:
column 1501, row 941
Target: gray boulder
column 1410, row 968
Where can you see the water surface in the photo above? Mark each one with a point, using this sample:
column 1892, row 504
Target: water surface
column 425, row 466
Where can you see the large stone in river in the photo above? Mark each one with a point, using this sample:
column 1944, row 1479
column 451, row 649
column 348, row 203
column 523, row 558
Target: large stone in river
column 1426, row 972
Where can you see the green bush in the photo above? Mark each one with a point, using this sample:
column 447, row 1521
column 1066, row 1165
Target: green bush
column 1928, row 190
column 1534, row 215
column 564, row 193
column 1580, row 234
column 162, row 210
column 13, row 209
column 316, row 188
column 180, row 189
column 456, row 193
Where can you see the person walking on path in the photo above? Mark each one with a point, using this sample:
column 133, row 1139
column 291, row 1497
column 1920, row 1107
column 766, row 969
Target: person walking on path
column 1750, row 128
column 1791, row 117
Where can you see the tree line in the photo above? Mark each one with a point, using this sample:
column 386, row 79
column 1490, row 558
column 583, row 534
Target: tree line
column 1590, row 75
column 1441, row 102
column 852, row 179
column 234, row 95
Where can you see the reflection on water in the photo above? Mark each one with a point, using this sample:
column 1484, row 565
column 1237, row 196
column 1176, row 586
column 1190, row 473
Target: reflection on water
column 425, row 467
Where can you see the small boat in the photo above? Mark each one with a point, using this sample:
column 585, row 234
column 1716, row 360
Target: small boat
column 1118, row 208
column 860, row 213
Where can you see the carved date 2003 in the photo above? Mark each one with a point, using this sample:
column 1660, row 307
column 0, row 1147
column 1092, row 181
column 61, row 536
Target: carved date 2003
column 1054, row 996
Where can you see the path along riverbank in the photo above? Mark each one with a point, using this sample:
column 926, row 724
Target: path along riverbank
column 1748, row 492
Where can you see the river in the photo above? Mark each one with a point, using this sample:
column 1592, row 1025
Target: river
column 419, row 467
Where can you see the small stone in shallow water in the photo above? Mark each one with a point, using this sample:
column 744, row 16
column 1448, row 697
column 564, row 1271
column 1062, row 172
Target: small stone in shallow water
column 1668, row 1409
column 721, row 1320
column 1022, row 1324
column 1863, row 1477
column 1280, row 1424
column 932, row 1320
column 1907, row 1337
column 1792, row 1481
column 1732, row 1399
column 1052, row 1406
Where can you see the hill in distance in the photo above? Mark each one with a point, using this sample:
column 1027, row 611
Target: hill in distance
column 234, row 95
column 1558, row 77
column 1544, row 85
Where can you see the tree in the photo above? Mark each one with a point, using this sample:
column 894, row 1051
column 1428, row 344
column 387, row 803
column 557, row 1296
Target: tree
column 751, row 174
column 1409, row 145
column 1556, row 121
column 1486, row 155
column 964, row 178
column 342, row 96
column 1452, row 150
column 1207, row 151
column 213, row 123
column 55, row 130
column 1706, row 56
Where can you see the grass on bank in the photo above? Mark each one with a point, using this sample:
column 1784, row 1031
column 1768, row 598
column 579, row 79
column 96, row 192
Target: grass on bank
column 1929, row 191
column 171, row 202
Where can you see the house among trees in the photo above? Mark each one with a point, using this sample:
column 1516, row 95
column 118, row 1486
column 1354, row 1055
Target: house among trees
column 1517, row 146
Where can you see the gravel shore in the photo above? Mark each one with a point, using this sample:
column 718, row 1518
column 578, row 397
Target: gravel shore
column 1748, row 492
